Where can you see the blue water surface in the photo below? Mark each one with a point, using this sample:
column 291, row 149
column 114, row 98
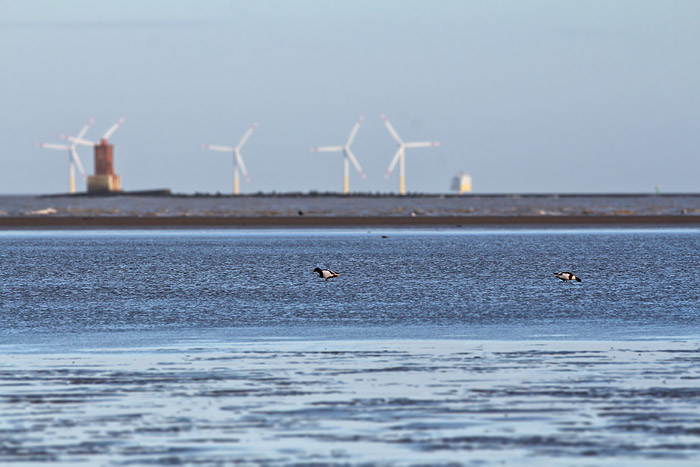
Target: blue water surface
column 393, row 284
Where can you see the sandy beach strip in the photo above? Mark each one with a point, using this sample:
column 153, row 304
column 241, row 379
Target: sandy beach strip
column 119, row 222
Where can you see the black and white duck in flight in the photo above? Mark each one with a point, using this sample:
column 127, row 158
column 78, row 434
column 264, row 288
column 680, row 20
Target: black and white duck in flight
column 325, row 273
column 567, row 276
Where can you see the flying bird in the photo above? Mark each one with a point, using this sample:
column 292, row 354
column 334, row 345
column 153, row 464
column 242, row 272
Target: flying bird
column 567, row 276
column 325, row 273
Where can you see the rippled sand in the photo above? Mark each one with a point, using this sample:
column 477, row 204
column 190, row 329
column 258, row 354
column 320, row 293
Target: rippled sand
column 396, row 402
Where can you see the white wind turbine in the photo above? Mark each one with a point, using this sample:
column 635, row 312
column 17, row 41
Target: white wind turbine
column 400, row 155
column 347, row 155
column 237, row 159
column 79, row 139
column 73, row 158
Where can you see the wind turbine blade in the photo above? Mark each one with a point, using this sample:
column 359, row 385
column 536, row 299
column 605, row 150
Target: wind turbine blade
column 391, row 129
column 214, row 147
column 239, row 160
column 247, row 135
column 424, row 144
column 393, row 163
column 326, row 149
column 84, row 142
column 354, row 130
column 52, row 146
column 76, row 159
column 354, row 161
column 85, row 128
column 113, row 128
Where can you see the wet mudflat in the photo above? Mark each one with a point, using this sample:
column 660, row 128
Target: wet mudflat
column 397, row 402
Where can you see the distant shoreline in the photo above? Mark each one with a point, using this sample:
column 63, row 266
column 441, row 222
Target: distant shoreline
column 166, row 193
column 212, row 222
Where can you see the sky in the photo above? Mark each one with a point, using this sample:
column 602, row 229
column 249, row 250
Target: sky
column 526, row 96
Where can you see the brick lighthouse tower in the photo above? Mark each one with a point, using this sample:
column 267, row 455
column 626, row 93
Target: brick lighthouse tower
column 105, row 180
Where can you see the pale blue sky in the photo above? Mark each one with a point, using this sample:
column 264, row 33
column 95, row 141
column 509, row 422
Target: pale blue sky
column 527, row 96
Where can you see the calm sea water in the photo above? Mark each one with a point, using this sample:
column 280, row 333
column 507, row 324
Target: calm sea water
column 448, row 346
column 451, row 283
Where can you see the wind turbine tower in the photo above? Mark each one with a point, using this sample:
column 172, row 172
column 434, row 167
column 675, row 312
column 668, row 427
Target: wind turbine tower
column 348, row 156
column 104, row 180
column 73, row 158
column 400, row 155
column 237, row 158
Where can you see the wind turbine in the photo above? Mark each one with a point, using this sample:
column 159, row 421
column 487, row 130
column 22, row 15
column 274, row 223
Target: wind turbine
column 237, row 159
column 347, row 155
column 400, row 155
column 79, row 139
column 73, row 158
